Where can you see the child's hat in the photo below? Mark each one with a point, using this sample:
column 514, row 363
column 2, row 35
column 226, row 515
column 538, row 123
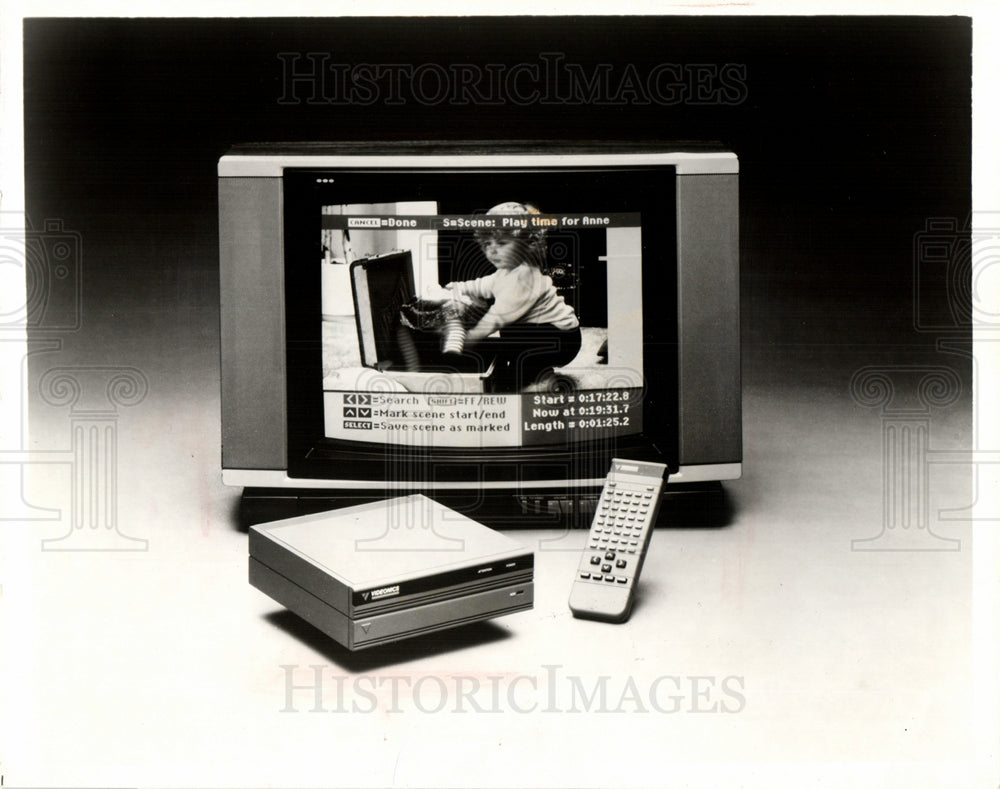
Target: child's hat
column 513, row 208
column 532, row 234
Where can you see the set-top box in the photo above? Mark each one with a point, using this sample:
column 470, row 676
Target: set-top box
column 389, row 570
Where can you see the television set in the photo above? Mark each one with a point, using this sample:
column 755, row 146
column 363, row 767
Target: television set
column 351, row 368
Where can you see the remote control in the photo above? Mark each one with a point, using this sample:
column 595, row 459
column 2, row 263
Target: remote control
column 609, row 569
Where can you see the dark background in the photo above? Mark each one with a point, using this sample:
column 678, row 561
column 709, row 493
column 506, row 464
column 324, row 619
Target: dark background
column 852, row 134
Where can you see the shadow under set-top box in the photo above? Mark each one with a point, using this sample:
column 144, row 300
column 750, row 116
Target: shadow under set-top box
column 389, row 570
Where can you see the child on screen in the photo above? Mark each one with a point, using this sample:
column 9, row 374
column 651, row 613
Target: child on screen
column 537, row 329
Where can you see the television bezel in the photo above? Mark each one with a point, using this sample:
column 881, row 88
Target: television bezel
column 254, row 397
column 646, row 190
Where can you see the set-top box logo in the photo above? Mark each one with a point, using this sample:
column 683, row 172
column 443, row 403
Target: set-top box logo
column 385, row 591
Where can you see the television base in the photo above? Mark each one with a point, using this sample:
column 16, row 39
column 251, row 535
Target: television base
column 689, row 504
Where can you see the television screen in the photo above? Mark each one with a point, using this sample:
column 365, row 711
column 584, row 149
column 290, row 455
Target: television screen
column 511, row 313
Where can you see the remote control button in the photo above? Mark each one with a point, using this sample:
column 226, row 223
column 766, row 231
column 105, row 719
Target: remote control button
column 605, row 568
column 623, row 580
column 609, row 578
column 585, row 575
column 595, row 559
column 620, row 563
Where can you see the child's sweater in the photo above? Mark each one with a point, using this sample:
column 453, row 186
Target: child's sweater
column 521, row 295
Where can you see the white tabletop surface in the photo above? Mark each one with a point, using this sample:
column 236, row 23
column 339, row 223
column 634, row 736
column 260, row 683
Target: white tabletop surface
column 767, row 649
